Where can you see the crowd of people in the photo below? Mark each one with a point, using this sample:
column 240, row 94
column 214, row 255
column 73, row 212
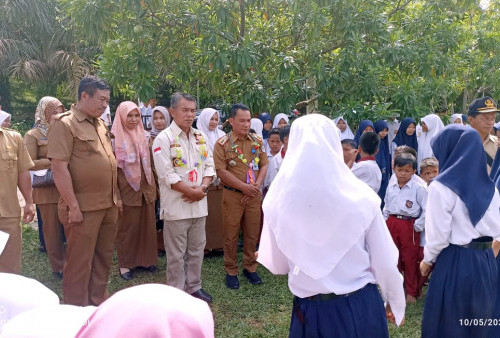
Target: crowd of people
column 384, row 205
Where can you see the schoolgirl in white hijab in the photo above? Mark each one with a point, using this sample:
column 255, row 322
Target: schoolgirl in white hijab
column 434, row 126
column 347, row 133
column 331, row 241
column 278, row 118
column 4, row 119
column 208, row 123
column 257, row 126
column 456, row 118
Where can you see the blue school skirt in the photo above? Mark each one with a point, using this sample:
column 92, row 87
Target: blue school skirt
column 361, row 314
column 461, row 294
column 495, row 327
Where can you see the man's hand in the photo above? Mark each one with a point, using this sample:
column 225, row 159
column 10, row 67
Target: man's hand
column 119, row 205
column 195, row 194
column 251, row 190
column 245, row 199
column 75, row 216
column 29, row 213
column 425, row 268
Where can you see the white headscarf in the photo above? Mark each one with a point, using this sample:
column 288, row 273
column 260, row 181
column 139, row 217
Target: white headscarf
column 330, row 213
column 278, row 118
column 166, row 115
column 347, row 133
column 3, row 116
column 202, row 124
column 256, row 124
column 434, row 126
column 456, row 116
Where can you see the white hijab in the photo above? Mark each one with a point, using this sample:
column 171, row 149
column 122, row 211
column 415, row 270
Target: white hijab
column 456, row 116
column 330, row 213
column 166, row 116
column 3, row 116
column 347, row 133
column 278, row 118
column 256, row 124
column 434, row 125
column 202, row 124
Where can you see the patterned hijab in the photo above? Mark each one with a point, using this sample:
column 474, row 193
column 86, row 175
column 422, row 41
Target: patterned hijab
column 131, row 146
column 46, row 107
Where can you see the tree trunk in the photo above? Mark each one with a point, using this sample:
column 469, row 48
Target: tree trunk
column 242, row 22
column 5, row 96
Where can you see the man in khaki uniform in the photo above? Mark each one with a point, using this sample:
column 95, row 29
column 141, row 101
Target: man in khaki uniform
column 14, row 166
column 185, row 169
column 482, row 113
column 84, row 170
column 241, row 162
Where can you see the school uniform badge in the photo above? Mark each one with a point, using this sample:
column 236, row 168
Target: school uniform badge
column 409, row 204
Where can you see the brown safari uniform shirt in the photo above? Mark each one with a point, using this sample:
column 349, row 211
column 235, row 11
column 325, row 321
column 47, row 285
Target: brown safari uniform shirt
column 490, row 147
column 85, row 144
column 15, row 159
column 37, row 143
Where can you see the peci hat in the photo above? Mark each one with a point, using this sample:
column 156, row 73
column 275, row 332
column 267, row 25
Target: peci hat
column 482, row 105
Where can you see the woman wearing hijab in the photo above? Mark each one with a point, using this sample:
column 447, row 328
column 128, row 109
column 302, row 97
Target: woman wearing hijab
column 406, row 135
column 207, row 122
column 332, row 241
column 461, row 222
column 345, row 130
column 280, row 121
column 431, row 126
column 136, row 232
column 267, row 122
column 47, row 198
column 364, row 126
column 383, row 157
column 161, row 120
column 456, row 118
column 4, row 119
column 257, row 126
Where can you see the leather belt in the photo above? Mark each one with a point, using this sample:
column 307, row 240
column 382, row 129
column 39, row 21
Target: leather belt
column 404, row 218
column 233, row 189
column 480, row 243
column 329, row 296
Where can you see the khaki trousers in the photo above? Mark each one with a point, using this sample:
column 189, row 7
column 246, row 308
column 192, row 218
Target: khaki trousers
column 10, row 258
column 184, row 244
column 234, row 215
column 89, row 255
column 52, row 232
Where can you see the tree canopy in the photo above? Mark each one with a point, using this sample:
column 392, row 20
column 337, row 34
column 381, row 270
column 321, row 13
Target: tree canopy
column 360, row 58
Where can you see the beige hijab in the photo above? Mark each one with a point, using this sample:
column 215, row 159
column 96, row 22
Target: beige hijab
column 46, row 106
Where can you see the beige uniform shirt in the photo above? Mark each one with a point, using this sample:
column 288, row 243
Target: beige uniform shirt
column 176, row 159
column 85, row 144
column 15, row 159
column 490, row 146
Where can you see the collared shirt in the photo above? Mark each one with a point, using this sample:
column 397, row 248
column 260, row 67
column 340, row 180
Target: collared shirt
column 490, row 146
column 85, row 144
column 273, row 168
column 369, row 172
column 179, row 158
column 15, row 159
column 410, row 200
column 447, row 221
column 225, row 157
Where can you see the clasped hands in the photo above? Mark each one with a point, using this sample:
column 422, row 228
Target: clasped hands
column 250, row 191
column 194, row 194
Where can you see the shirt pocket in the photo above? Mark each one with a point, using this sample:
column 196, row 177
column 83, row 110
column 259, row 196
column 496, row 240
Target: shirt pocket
column 85, row 144
column 9, row 156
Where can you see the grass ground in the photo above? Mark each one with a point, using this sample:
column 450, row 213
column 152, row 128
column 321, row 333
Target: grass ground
column 251, row 311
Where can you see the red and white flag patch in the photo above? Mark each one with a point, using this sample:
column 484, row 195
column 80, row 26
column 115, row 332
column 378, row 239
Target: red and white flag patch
column 157, row 151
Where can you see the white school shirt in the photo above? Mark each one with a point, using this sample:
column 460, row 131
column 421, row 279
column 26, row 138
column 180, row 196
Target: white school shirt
column 447, row 221
column 408, row 201
column 372, row 260
column 172, row 206
column 273, row 168
column 368, row 172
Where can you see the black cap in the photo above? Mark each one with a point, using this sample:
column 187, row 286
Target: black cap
column 482, row 105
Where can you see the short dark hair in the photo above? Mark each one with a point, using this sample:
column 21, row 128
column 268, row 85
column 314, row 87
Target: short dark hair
column 274, row 131
column 369, row 142
column 177, row 96
column 429, row 162
column 284, row 132
column 89, row 84
column 349, row 142
column 405, row 150
column 236, row 107
column 404, row 159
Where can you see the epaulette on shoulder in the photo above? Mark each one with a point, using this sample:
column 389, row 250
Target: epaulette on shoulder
column 61, row 115
column 223, row 140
